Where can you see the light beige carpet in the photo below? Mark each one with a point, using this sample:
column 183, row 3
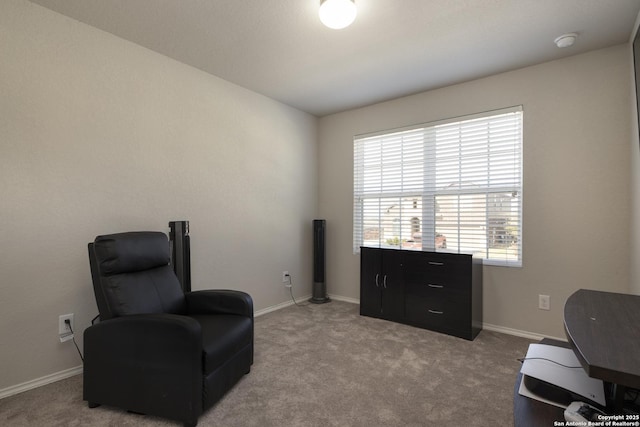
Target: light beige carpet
column 325, row 365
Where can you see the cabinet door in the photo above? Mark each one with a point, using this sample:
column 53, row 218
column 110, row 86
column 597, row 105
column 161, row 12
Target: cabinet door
column 370, row 281
column 392, row 285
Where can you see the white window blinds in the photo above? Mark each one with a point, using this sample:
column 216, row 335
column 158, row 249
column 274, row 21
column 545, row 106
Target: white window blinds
column 453, row 186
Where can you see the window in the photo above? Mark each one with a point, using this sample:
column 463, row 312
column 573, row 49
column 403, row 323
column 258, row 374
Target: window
column 451, row 186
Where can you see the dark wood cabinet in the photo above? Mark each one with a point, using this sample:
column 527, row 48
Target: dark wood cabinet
column 383, row 285
column 437, row 291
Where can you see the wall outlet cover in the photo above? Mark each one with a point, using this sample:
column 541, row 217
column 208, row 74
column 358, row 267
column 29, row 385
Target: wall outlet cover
column 543, row 302
column 63, row 329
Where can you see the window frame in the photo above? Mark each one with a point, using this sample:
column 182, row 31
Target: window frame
column 496, row 192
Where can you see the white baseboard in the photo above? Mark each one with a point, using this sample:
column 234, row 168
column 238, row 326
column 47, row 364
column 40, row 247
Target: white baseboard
column 488, row 326
column 57, row 376
column 39, row 382
column 301, row 299
column 345, row 299
column 518, row 333
column 48, row 379
column 279, row 306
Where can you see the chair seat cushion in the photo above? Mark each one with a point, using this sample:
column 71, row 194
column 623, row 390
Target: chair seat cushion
column 223, row 336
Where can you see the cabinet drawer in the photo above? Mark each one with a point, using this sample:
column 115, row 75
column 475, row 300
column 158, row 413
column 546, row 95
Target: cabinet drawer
column 432, row 263
column 420, row 283
column 440, row 313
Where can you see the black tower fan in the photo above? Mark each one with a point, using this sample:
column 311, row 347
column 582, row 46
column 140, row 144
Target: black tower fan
column 181, row 252
column 319, row 294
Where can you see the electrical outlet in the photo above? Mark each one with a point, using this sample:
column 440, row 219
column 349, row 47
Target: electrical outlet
column 543, row 302
column 63, row 328
column 285, row 277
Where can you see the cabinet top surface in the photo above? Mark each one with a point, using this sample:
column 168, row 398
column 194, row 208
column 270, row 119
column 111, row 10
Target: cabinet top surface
column 419, row 251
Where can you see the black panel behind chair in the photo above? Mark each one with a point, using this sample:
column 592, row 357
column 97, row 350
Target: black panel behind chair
column 157, row 350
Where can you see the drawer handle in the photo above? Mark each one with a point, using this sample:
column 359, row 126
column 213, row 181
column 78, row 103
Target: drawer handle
column 377, row 285
column 433, row 285
column 436, row 312
column 436, row 263
column 384, row 282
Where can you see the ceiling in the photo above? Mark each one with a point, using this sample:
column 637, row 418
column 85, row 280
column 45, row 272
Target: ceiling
column 280, row 49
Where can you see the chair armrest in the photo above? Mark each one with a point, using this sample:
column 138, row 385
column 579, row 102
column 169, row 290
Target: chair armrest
column 142, row 336
column 219, row 301
column 143, row 362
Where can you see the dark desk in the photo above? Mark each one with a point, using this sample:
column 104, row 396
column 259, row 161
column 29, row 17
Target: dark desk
column 603, row 329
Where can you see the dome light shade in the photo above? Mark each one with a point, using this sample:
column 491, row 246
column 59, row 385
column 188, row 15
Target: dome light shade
column 337, row 14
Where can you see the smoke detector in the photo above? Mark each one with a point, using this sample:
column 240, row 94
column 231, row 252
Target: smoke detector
column 566, row 40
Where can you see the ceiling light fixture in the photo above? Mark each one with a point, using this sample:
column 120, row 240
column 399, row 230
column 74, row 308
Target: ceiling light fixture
column 337, row 14
column 566, row 40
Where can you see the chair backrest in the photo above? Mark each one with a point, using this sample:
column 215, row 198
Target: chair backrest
column 131, row 275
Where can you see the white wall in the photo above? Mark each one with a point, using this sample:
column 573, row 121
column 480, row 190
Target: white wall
column 576, row 181
column 634, row 154
column 98, row 135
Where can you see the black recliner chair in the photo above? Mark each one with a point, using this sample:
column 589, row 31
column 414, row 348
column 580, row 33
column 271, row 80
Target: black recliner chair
column 156, row 349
